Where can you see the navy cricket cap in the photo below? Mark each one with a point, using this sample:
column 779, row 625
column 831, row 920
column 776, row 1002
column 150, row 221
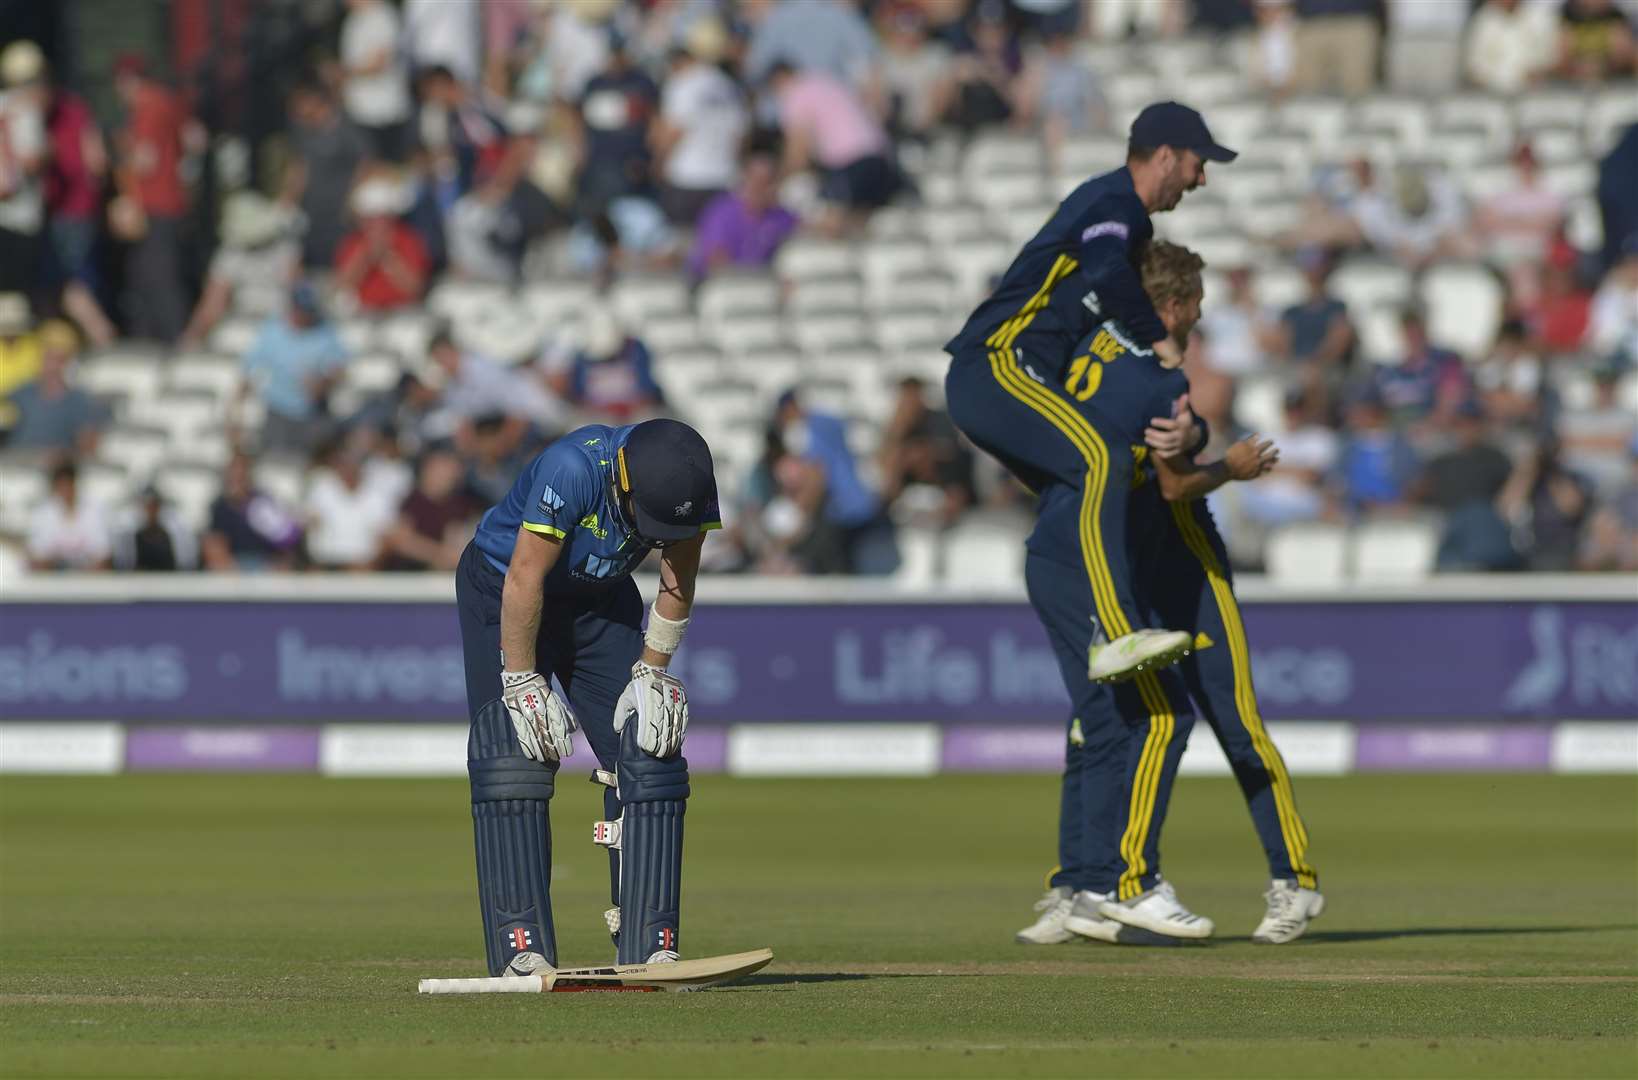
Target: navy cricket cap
column 666, row 467
column 1169, row 123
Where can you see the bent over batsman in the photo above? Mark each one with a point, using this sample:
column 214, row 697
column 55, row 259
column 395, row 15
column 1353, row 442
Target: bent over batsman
column 544, row 590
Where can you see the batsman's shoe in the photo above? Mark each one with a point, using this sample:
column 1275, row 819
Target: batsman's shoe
column 1086, row 920
column 527, row 963
column 664, row 956
column 1049, row 929
column 1290, row 906
column 1126, row 656
column 1159, row 911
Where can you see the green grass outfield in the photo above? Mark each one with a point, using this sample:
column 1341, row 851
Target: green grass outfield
column 242, row 925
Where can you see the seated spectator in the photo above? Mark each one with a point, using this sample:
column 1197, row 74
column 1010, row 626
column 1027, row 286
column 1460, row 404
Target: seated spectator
column 496, row 452
column 1316, row 337
column 52, row 413
column 1611, row 542
column 1510, row 46
column 251, row 273
column 1375, row 464
column 456, row 126
column 249, row 530
column 1428, row 383
column 615, row 111
column 1337, row 45
column 1520, row 223
column 1274, row 57
column 1549, row 504
column 1421, row 220
column 1425, row 45
column 489, row 228
column 915, row 72
column 435, row 520
column 921, row 447
column 1561, row 315
column 703, row 120
column 294, row 364
column 1594, row 41
column 829, row 37
column 746, row 227
column 1059, row 95
column 375, row 74
column 1510, row 382
column 157, row 540
column 1238, row 332
column 19, row 344
column 347, row 517
column 1612, row 322
column 631, row 235
column 782, row 523
column 828, row 128
column 985, row 74
column 326, row 155
column 1465, row 482
column 1594, row 439
column 850, row 505
column 611, row 377
column 382, row 265
column 476, row 386
column 1293, row 491
column 68, row 531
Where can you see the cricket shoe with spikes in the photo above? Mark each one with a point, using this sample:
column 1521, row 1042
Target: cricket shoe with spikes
column 1290, row 906
column 1049, row 929
column 527, row 963
column 1128, row 655
column 1160, row 911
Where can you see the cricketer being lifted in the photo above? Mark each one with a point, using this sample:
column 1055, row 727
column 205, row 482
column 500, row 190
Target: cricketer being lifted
column 544, row 589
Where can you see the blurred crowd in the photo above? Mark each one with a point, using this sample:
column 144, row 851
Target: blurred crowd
column 433, row 140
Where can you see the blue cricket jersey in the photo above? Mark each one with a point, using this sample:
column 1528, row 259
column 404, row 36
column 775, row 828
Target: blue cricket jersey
column 1080, row 269
column 567, row 492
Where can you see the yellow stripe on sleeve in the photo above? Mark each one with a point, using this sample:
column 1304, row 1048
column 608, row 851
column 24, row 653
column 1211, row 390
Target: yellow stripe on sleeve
column 545, row 530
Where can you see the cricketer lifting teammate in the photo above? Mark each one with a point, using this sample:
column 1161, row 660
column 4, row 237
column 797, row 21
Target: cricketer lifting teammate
column 544, row 589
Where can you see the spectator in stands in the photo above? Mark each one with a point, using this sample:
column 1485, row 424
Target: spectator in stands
column 443, row 34
column 615, row 111
column 1375, row 464
column 19, row 355
column 1424, row 45
column 1611, row 542
column 494, row 454
column 827, row 37
column 745, row 227
column 1465, row 482
column 75, row 167
column 476, row 387
column 1422, row 219
column 850, row 505
column 921, row 446
column 382, row 265
column 294, row 364
column 1510, row 46
column 631, row 235
column 157, row 540
column 52, row 413
column 1059, row 95
column 435, row 520
column 457, row 127
column 253, row 269
column 23, row 151
column 375, row 87
column 1594, row 41
column 1562, row 313
column 782, row 520
column 702, row 123
column 915, row 72
column 1317, row 336
column 348, row 515
column 153, row 200
column 1294, row 490
column 69, row 530
column 1548, row 504
column 1612, row 325
column 611, row 377
column 1510, row 381
column 826, row 127
column 249, row 530
column 489, row 229
column 327, row 152
column 1428, row 385
column 1519, row 223
column 1274, row 59
column 410, row 410
column 1337, row 43
column 1239, row 334
column 985, row 72
column 1594, row 439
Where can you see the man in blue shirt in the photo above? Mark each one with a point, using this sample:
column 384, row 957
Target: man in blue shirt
column 545, row 589
column 295, row 361
column 1005, row 385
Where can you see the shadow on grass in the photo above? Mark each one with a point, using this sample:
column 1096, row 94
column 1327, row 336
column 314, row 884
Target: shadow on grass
column 826, row 977
column 1454, row 931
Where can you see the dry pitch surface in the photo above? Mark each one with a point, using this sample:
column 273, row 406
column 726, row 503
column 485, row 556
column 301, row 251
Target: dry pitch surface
column 185, row 925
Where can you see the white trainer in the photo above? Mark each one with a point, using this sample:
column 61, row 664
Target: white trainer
column 1290, row 906
column 1129, row 654
column 1159, row 910
column 664, row 956
column 1086, row 920
column 1049, row 928
column 526, row 963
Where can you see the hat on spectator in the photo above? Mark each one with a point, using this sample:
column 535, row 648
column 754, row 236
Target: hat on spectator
column 1171, row 123
column 604, row 334
column 14, row 314
column 21, row 62
column 379, row 196
column 305, row 299
column 250, row 219
column 706, row 39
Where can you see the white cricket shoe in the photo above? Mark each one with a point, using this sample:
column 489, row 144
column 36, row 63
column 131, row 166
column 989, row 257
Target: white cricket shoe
column 1086, row 920
column 664, row 956
column 1290, row 906
column 1160, row 911
column 526, row 963
column 1049, row 928
column 1129, row 654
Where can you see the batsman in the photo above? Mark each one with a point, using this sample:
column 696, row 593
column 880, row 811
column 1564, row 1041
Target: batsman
column 544, row 591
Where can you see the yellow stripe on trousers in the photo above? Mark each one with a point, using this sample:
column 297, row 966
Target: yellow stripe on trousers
column 1245, row 696
column 1162, row 723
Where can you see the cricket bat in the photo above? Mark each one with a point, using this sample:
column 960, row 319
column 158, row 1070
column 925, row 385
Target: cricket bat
column 677, row 975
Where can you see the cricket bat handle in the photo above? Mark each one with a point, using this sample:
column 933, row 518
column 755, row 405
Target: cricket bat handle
column 507, row 984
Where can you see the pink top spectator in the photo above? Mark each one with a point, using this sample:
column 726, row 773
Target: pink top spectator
column 841, row 131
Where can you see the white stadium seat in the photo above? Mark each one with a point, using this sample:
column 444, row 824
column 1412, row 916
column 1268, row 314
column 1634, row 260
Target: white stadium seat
column 1464, row 306
column 405, row 334
column 726, row 296
column 1393, row 551
column 1259, row 403
column 1307, row 556
column 826, row 293
column 140, row 451
column 1381, row 338
column 884, row 262
column 805, row 258
column 234, row 337
column 373, row 372
column 1365, row 283
column 132, row 377
column 191, row 489
column 22, row 488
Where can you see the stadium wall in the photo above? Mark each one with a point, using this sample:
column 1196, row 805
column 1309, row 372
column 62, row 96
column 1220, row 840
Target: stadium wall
column 362, row 676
